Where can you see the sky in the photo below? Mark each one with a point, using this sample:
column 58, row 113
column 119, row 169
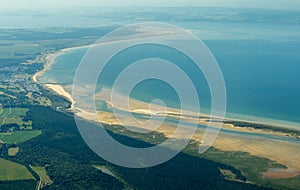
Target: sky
column 45, row 4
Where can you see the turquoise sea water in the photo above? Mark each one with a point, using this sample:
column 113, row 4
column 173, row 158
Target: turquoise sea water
column 259, row 82
column 261, row 75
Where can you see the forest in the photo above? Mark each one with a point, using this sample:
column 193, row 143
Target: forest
column 69, row 162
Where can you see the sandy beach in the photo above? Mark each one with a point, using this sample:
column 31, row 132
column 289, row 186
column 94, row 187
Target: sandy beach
column 50, row 58
column 57, row 88
column 285, row 153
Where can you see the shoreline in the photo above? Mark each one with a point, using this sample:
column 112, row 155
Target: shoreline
column 174, row 112
column 50, row 59
column 57, row 88
column 140, row 107
column 261, row 148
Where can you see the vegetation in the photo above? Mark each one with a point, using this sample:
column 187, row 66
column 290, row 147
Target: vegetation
column 19, row 136
column 264, row 127
column 69, row 162
column 63, row 152
column 249, row 167
column 54, row 142
column 21, row 56
column 11, row 48
column 13, row 151
column 15, row 116
column 244, row 167
column 18, row 184
column 13, row 171
column 42, row 173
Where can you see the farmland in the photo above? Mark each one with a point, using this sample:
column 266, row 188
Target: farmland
column 18, row 136
column 41, row 171
column 15, row 115
column 13, row 171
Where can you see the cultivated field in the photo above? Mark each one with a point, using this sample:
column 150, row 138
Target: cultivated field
column 13, row 171
column 19, row 136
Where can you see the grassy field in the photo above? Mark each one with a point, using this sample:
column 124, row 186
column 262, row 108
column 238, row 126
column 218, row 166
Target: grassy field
column 13, row 171
column 19, row 136
column 3, row 114
column 41, row 171
column 14, row 115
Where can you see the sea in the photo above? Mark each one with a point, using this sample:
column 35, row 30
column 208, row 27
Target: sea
column 260, row 63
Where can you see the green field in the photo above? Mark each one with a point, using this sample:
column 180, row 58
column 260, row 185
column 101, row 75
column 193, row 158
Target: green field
column 13, row 171
column 14, row 115
column 19, row 136
column 41, row 171
column 3, row 113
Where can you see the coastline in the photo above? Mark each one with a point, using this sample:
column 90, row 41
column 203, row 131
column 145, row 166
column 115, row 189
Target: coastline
column 139, row 106
column 259, row 147
column 57, row 88
column 60, row 89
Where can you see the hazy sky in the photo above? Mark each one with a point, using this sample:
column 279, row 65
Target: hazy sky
column 44, row 4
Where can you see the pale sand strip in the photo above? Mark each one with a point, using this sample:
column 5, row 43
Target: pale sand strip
column 281, row 152
column 62, row 92
column 136, row 106
column 50, row 59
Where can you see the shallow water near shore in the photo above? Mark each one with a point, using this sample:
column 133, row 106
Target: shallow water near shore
column 261, row 86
